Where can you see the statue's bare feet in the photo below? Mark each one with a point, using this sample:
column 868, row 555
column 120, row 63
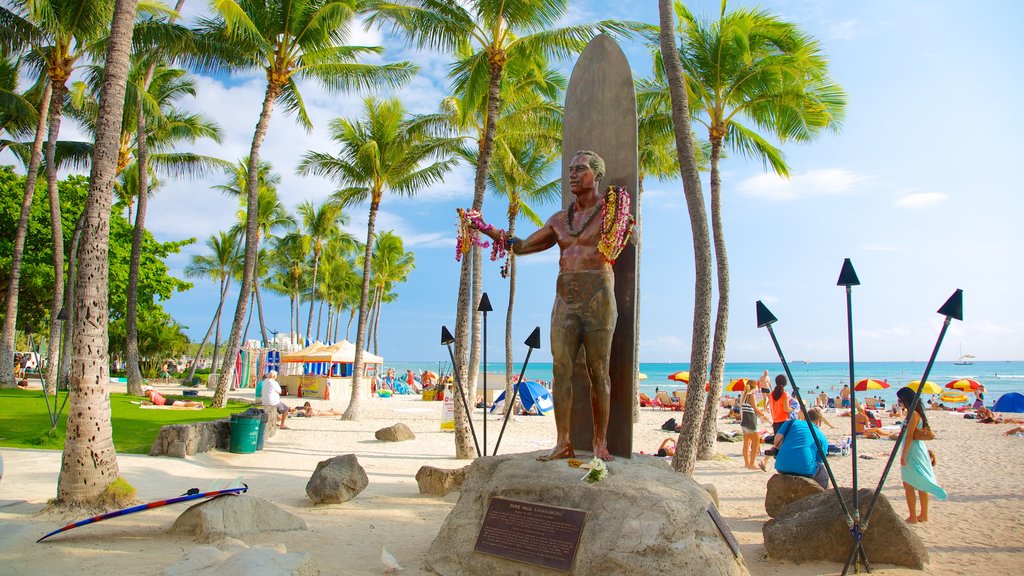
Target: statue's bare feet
column 558, row 453
column 601, row 451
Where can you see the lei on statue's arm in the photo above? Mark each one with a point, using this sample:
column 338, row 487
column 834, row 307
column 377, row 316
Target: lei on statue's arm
column 616, row 223
column 469, row 236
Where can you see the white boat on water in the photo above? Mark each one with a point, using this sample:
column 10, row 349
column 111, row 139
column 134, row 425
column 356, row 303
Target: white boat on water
column 964, row 359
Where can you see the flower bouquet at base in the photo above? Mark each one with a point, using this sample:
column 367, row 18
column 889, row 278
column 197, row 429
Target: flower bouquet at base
column 597, row 470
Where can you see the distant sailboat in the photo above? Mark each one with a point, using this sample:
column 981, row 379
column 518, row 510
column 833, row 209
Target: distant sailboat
column 965, row 359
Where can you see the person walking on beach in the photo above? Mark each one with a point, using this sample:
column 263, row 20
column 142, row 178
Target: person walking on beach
column 584, row 313
column 749, row 413
column 916, row 463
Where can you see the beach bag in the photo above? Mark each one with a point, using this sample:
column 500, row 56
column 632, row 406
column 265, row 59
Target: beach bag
column 924, row 433
column 669, row 425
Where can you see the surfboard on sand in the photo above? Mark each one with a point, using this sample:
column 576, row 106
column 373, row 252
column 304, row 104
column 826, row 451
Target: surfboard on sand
column 600, row 115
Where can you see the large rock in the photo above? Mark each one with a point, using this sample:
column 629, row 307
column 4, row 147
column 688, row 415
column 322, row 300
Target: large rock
column 814, row 529
column 395, row 433
column 784, row 489
column 440, row 481
column 180, row 440
column 234, row 516
column 234, row 558
column 336, row 480
column 643, row 519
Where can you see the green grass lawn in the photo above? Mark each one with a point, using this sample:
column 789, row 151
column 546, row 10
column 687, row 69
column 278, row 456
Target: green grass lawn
column 24, row 421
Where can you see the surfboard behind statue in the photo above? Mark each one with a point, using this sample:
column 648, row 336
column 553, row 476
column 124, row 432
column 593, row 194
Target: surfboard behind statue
column 600, row 115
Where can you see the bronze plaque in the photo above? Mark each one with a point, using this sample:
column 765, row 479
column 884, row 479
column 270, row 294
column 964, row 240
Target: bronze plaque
column 724, row 529
column 534, row 533
column 600, row 115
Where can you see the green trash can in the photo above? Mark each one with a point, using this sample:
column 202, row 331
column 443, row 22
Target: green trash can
column 245, row 431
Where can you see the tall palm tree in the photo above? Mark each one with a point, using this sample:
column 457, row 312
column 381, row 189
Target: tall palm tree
column 319, row 224
column 219, row 265
column 487, row 35
column 63, row 32
column 686, row 444
column 32, row 170
column 89, row 462
column 390, row 264
column 287, row 40
column 750, row 72
column 151, row 122
column 385, row 151
column 289, row 256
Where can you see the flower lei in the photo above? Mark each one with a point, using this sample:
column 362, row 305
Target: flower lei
column 470, row 236
column 597, row 470
column 616, row 223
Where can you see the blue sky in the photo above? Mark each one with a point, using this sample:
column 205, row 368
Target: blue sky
column 921, row 189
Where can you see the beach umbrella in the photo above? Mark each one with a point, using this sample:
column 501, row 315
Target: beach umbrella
column 870, row 384
column 739, row 384
column 953, row 397
column 641, row 376
column 929, row 387
column 1009, row 402
column 964, row 384
column 681, row 376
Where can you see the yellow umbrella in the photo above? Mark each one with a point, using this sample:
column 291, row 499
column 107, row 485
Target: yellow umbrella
column 953, row 397
column 641, row 376
column 929, row 387
column 681, row 376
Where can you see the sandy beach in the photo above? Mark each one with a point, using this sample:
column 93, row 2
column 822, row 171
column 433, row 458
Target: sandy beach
column 977, row 530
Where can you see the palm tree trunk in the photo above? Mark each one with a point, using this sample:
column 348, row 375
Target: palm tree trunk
column 354, row 403
column 220, row 398
column 330, row 318
column 637, row 237
column 348, row 327
column 337, row 322
column 248, row 321
column 319, row 317
column 216, row 349
column 131, row 320
column 11, row 313
column 477, row 320
column 376, row 319
column 709, row 427
column 291, row 318
column 312, row 292
column 56, row 326
column 69, row 301
column 686, row 444
column 220, row 306
column 89, row 462
column 259, row 311
column 508, row 314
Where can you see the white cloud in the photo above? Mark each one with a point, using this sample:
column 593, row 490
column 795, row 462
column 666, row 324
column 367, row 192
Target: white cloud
column 920, row 200
column 821, row 182
column 845, row 30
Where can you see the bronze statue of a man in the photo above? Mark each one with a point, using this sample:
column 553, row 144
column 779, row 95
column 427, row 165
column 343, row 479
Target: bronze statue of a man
column 584, row 312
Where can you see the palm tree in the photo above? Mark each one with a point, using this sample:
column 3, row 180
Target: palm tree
column 288, row 254
column 487, row 35
column 219, row 265
column 32, row 170
column 391, row 264
column 287, row 40
column 319, row 224
column 62, row 33
column 750, row 66
column 89, row 463
column 686, row 444
column 151, row 121
column 385, row 151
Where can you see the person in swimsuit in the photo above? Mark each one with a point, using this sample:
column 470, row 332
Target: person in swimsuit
column 158, row 399
column 584, row 312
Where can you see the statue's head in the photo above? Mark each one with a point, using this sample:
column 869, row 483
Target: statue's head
column 596, row 164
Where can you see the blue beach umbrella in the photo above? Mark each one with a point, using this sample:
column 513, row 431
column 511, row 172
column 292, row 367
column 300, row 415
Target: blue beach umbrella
column 531, row 394
column 1009, row 402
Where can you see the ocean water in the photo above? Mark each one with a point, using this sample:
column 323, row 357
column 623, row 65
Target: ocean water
column 811, row 377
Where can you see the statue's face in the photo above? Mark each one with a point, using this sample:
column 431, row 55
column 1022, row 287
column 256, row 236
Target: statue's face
column 581, row 177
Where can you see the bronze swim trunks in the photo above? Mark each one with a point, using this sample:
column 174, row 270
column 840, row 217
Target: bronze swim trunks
column 585, row 301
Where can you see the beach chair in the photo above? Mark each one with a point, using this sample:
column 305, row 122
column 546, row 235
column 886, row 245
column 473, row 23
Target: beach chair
column 680, row 397
column 666, row 401
column 645, row 400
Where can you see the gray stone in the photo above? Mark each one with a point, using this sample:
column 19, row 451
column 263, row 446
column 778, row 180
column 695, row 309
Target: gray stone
column 814, row 529
column 181, row 440
column 336, row 480
column 234, row 516
column 235, row 560
column 440, row 481
column 784, row 489
column 713, row 492
column 395, row 433
column 643, row 519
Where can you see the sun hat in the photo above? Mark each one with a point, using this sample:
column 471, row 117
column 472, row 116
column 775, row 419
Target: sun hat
column 147, row 388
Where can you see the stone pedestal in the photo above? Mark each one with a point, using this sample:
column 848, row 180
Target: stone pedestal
column 643, row 519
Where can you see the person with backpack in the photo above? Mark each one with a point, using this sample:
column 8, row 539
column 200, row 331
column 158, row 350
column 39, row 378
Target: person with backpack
column 797, row 444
